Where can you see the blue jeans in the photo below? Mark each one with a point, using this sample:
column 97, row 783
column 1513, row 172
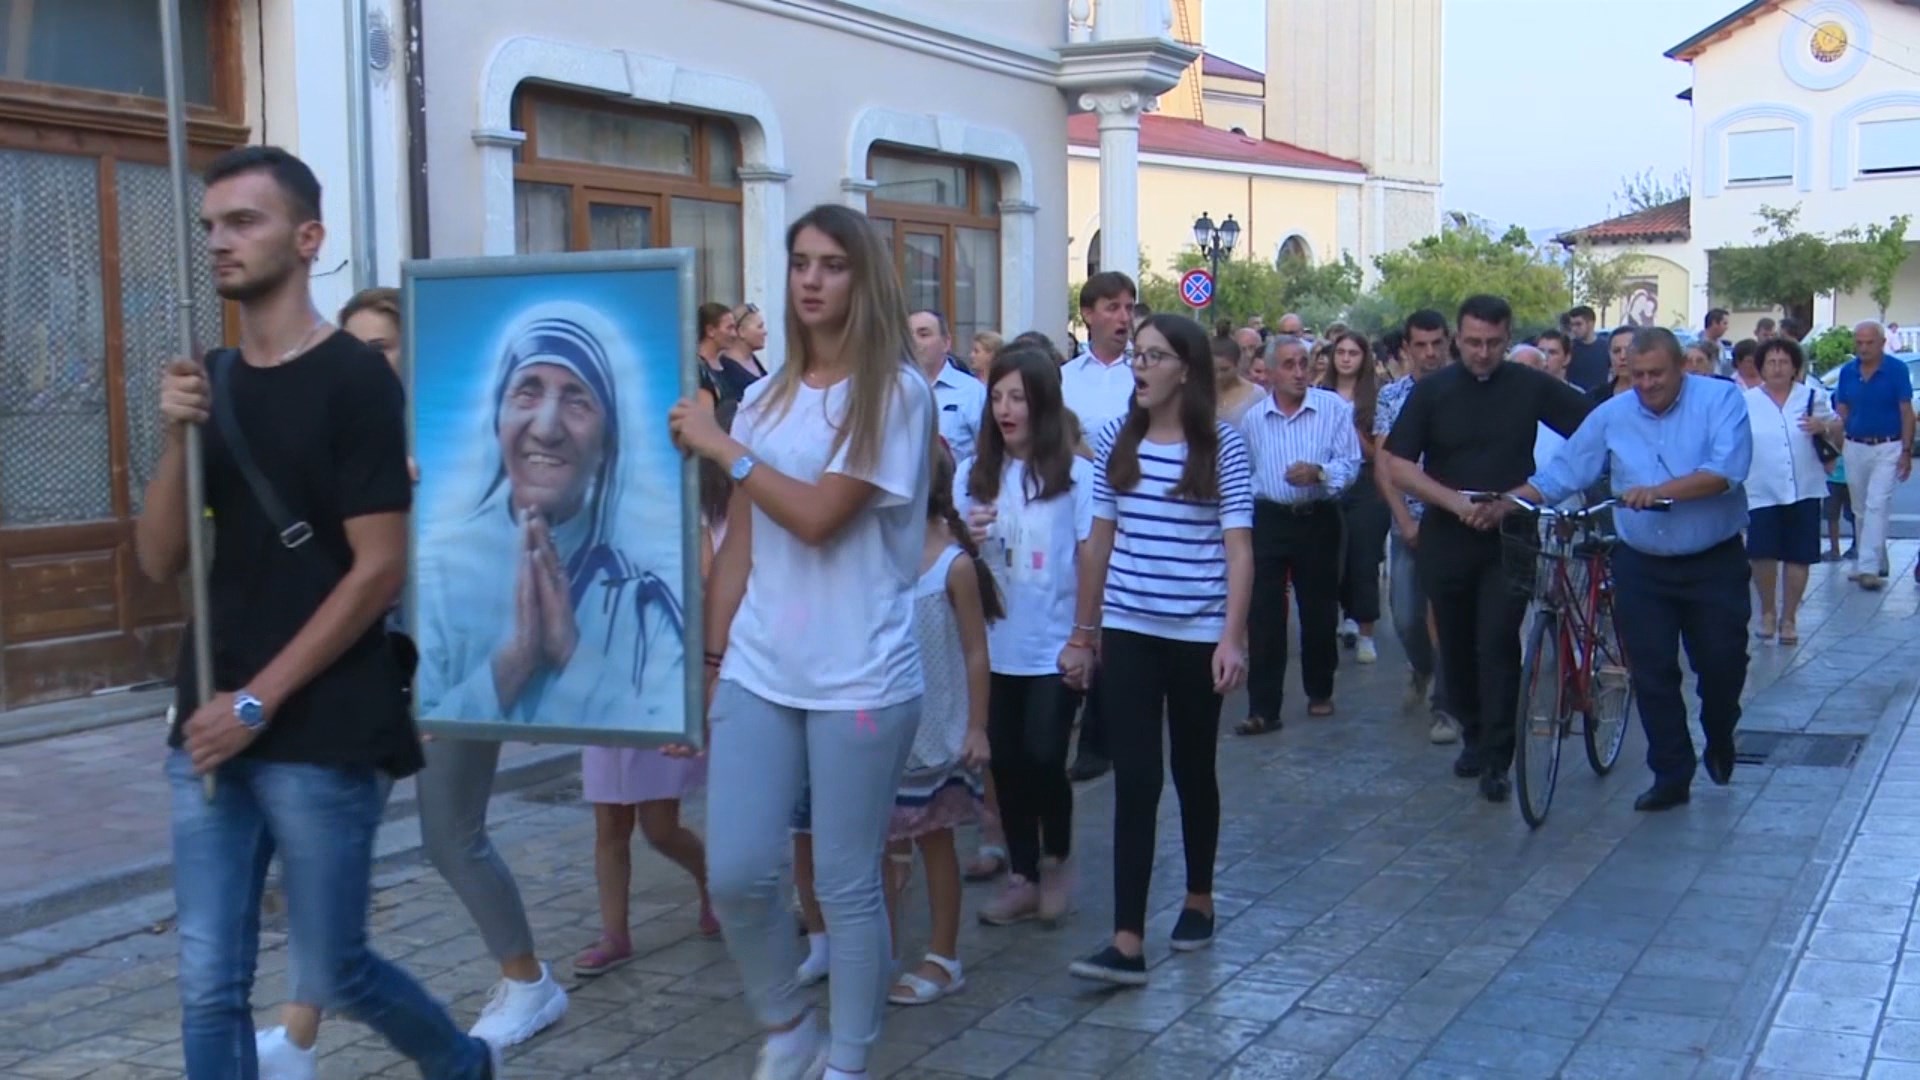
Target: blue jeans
column 321, row 821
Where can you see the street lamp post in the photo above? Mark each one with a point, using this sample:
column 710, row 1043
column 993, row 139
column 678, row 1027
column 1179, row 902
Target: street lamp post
column 1216, row 243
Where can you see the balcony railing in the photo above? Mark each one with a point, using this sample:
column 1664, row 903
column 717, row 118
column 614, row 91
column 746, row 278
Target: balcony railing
column 1118, row 20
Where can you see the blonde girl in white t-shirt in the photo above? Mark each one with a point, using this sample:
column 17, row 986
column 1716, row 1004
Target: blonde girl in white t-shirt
column 1029, row 502
column 810, row 644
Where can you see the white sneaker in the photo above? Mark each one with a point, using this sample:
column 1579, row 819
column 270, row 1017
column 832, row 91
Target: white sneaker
column 1349, row 632
column 1365, row 653
column 800, row 1054
column 281, row 1060
column 1444, row 730
column 517, row 1011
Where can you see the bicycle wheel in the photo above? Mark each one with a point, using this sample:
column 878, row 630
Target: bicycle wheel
column 1609, row 689
column 1537, row 720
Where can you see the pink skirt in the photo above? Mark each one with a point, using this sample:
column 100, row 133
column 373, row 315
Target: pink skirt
column 622, row 776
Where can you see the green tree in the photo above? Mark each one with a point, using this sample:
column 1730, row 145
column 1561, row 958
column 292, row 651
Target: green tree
column 1466, row 258
column 1598, row 280
column 1249, row 287
column 1788, row 266
column 1644, row 191
column 1884, row 249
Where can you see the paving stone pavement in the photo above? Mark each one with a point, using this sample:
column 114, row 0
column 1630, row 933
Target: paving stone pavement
column 58, row 851
column 1378, row 921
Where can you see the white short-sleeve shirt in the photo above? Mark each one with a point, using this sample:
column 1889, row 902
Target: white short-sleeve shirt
column 830, row 628
column 1032, row 557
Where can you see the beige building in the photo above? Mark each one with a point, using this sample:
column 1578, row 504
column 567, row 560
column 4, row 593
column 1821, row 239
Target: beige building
column 1796, row 103
column 1336, row 150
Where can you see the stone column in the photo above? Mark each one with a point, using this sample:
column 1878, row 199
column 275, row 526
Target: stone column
column 1017, row 237
column 763, row 251
column 1119, row 113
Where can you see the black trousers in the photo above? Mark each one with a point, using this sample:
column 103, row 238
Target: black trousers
column 1029, row 727
column 1701, row 602
column 1367, row 520
column 1305, row 547
column 1144, row 679
column 1478, row 615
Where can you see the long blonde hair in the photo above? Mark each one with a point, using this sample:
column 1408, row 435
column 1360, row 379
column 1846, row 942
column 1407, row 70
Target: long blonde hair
column 877, row 341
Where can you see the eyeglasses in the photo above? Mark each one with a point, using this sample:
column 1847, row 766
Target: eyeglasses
column 1152, row 357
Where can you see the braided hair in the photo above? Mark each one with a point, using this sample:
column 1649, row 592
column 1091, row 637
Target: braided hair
column 940, row 505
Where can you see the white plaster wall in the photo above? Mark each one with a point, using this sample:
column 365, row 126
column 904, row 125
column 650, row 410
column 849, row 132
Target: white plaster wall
column 1745, row 83
column 811, row 85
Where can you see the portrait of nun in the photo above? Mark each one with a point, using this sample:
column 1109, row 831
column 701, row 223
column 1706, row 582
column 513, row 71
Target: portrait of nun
column 531, row 610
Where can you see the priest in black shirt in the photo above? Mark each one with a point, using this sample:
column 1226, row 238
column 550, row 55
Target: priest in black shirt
column 308, row 708
column 1474, row 424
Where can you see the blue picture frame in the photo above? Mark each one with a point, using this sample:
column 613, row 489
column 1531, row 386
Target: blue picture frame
column 554, row 588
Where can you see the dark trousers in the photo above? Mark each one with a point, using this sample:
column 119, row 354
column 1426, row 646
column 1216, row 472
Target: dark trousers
column 1701, row 602
column 1306, row 548
column 1478, row 615
column 1367, row 520
column 1029, row 726
column 1144, row 679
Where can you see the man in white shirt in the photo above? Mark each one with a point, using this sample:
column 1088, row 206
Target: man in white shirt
column 958, row 398
column 1098, row 384
column 1098, row 387
column 1304, row 452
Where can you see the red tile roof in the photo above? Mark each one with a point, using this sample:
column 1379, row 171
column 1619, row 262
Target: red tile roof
column 1668, row 221
column 1223, row 68
column 1191, row 138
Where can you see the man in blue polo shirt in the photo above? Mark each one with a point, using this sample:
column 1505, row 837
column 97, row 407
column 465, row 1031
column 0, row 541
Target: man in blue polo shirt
column 1875, row 401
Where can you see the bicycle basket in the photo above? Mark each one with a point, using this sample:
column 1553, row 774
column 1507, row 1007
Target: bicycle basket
column 1520, row 552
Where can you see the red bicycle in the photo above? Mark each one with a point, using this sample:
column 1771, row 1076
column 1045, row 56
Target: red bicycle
column 1573, row 661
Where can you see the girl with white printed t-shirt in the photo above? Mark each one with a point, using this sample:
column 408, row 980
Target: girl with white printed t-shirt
column 1029, row 502
column 811, row 657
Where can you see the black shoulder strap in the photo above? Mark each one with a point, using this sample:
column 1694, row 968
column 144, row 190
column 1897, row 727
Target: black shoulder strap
column 295, row 534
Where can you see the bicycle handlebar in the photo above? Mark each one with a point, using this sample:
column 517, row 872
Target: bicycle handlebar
column 1658, row 506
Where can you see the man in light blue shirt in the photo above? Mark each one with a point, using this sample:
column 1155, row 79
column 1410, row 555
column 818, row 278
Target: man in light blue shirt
column 959, row 399
column 1679, row 575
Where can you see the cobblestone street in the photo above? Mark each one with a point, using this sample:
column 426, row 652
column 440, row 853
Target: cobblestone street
column 1379, row 920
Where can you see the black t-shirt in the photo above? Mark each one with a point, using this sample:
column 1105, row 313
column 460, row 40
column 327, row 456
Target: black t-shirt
column 1478, row 434
column 1591, row 364
column 727, row 384
column 328, row 432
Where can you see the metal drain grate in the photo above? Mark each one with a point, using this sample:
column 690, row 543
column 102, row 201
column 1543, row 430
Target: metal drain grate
column 1781, row 748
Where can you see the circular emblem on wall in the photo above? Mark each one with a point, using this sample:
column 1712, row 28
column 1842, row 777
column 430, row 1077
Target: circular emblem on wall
column 1828, row 42
column 1825, row 44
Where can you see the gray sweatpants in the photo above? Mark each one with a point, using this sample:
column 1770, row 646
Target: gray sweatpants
column 762, row 757
column 454, row 790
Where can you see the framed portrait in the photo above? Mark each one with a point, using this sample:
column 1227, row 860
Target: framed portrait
column 554, row 591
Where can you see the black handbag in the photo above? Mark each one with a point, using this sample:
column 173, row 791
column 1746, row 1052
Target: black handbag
column 1827, row 452
column 295, row 534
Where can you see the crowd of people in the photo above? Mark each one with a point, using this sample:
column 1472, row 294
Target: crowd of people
column 921, row 575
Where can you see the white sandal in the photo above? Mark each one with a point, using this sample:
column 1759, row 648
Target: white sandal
column 922, row 991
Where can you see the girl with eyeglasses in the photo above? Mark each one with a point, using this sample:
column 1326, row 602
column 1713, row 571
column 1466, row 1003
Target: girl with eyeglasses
column 1172, row 545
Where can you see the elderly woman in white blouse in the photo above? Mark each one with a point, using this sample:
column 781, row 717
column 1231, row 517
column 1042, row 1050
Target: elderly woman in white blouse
column 1787, row 482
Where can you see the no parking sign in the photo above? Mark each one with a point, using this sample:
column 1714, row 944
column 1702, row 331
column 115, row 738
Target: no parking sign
column 1196, row 288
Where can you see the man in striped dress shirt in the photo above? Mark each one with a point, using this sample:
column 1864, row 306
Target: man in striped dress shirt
column 1304, row 452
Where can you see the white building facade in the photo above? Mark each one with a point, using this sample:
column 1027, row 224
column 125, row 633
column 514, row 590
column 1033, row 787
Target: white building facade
column 1812, row 104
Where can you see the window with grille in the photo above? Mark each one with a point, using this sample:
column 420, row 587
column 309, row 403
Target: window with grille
column 60, row 317
column 941, row 218
column 595, row 175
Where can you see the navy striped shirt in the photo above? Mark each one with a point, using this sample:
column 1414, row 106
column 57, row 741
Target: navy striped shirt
column 1167, row 577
